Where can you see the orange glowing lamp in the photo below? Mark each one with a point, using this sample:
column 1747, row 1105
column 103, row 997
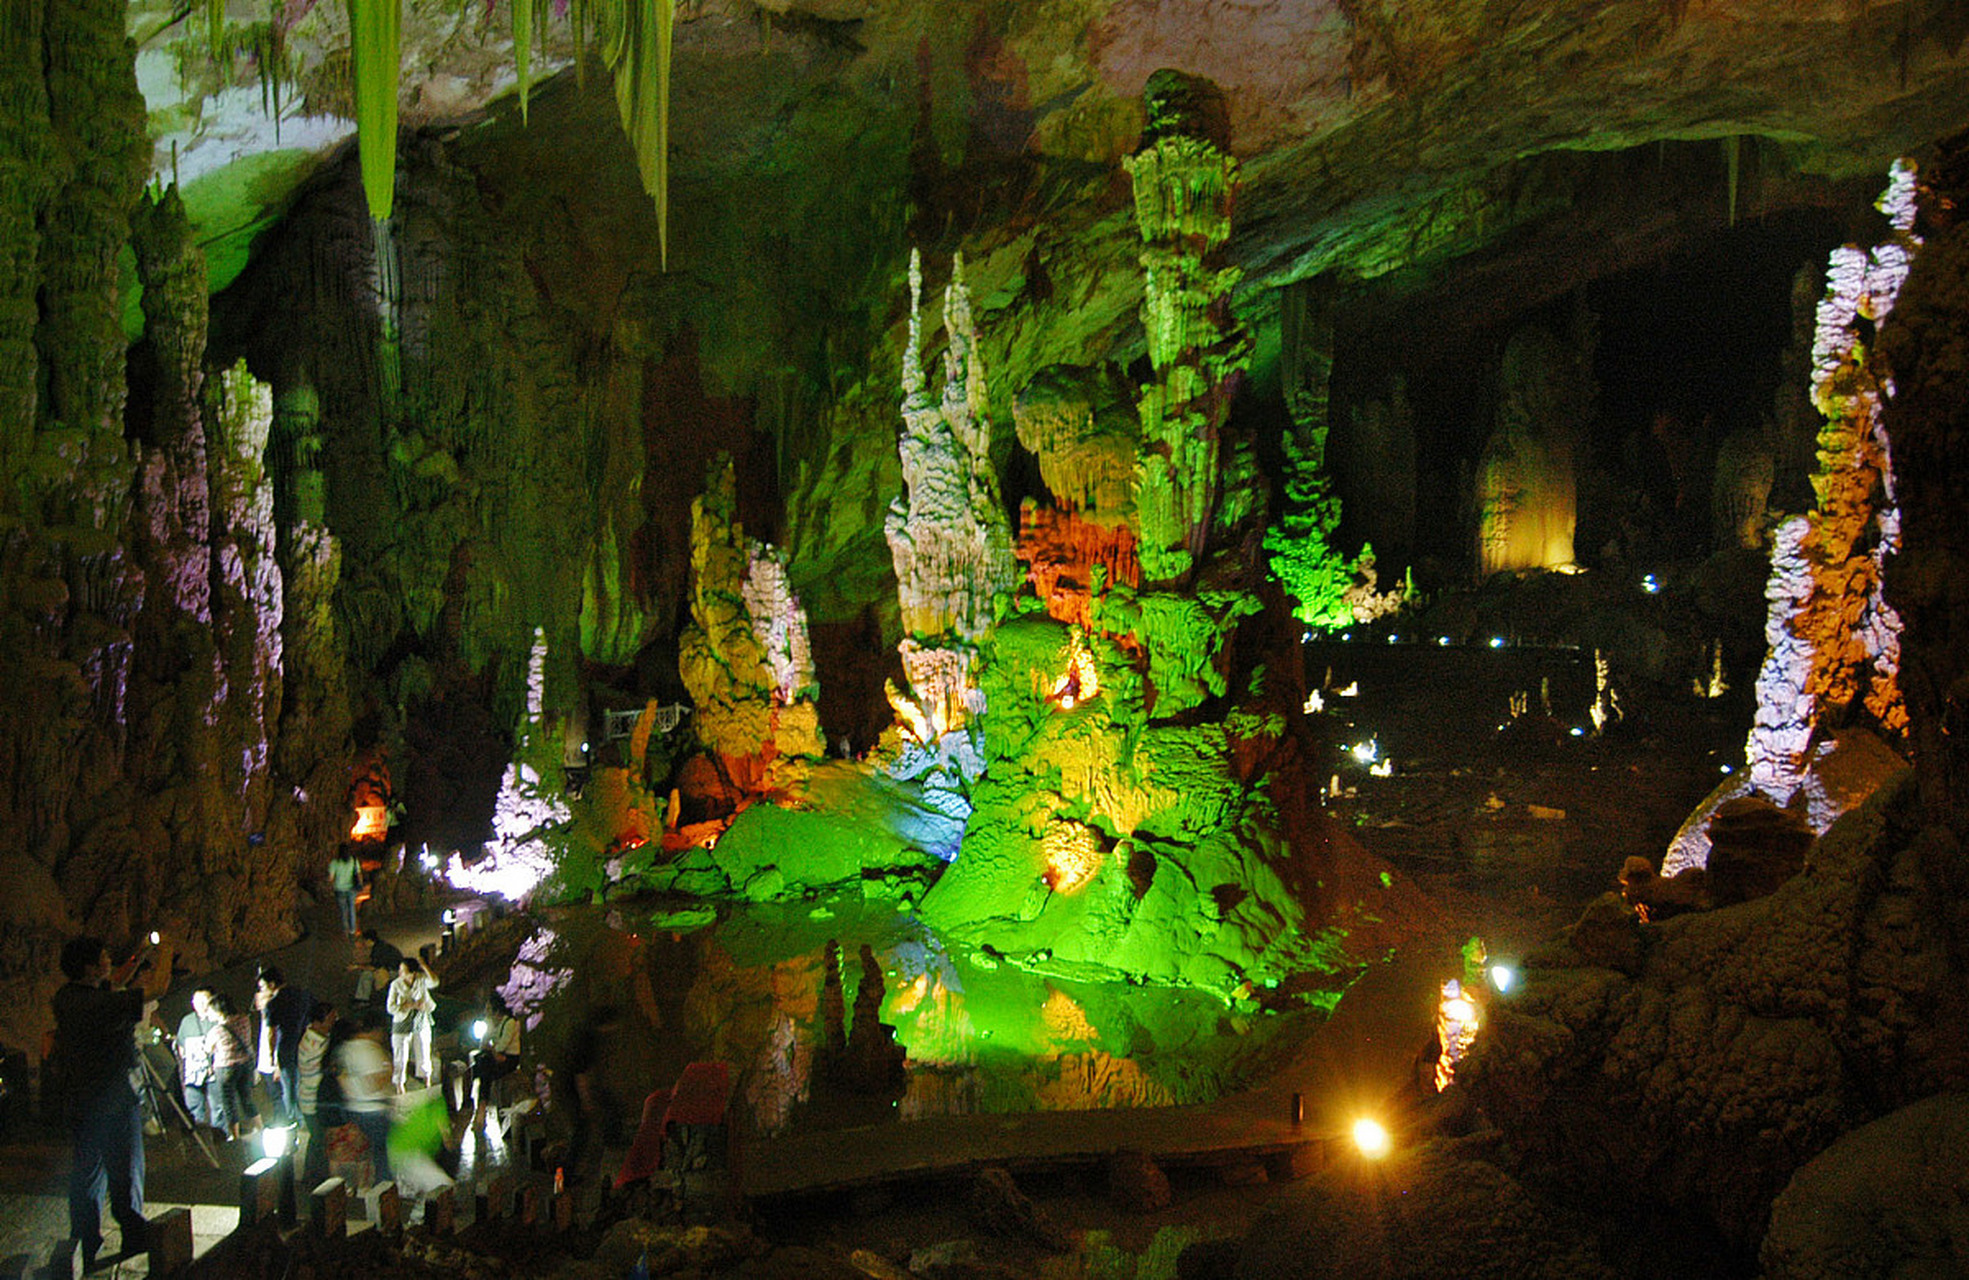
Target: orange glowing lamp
column 372, row 822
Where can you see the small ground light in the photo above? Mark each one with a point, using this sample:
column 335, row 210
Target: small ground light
column 1727, row 769
column 1649, row 584
column 1577, row 732
column 1503, row 977
column 1497, row 642
column 478, row 1029
column 1371, row 1138
column 1366, row 752
column 273, row 1141
column 1442, row 640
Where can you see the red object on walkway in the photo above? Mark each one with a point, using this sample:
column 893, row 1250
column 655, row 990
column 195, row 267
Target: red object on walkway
column 702, row 1096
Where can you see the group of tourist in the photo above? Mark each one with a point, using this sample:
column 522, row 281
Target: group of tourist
column 320, row 1068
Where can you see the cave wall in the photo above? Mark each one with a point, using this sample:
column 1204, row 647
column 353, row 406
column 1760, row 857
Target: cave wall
column 140, row 601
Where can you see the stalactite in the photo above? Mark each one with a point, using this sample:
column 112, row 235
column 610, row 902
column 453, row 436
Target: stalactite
column 635, row 41
column 376, row 57
column 523, row 51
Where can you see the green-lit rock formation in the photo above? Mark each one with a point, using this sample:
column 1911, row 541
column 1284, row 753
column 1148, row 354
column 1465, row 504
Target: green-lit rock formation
column 1101, row 842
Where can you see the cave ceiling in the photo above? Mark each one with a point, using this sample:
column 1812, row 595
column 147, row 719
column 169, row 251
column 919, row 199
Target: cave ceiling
column 1538, row 145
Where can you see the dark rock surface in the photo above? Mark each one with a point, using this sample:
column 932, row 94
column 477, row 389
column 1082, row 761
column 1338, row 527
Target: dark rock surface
column 1443, row 1209
column 1885, row 1200
column 1748, row 1040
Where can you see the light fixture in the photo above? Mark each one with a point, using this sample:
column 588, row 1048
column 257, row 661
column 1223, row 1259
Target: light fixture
column 1366, row 752
column 1649, row 584
column 1497, row 642
column 1503, row 977
column 478, row 1029
column 1371, row 1138
column 274, row 1140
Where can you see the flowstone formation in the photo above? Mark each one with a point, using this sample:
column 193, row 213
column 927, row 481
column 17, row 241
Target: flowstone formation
column 1698, row 1064
column 1303, row 556
column 1831, row 672
column 744, row 655
column 1102, row 843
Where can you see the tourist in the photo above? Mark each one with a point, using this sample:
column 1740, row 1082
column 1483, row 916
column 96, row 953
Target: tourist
column 497, row 1056
column 283, row 1017
column 362, row 1070
column 196, row 1079
column 95, row 1062
column 313, row 1062
column 375, row 963
column 232, row 1067
column 411, row 1004
column 345, row 877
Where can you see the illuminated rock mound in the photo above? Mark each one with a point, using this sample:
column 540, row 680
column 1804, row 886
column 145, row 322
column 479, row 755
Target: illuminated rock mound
column 1100, row 843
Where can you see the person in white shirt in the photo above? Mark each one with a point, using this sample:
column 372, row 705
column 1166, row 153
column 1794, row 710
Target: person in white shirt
column 363, row 1071
column 411, row 1004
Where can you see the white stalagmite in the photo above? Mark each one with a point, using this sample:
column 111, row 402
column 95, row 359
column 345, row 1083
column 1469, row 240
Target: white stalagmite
column 778, row 621
column 947, row 531
column 529, row 810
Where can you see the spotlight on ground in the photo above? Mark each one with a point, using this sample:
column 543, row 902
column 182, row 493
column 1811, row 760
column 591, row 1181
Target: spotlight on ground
column 1371, row 1138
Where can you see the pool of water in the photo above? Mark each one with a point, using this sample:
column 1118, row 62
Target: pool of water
column 980, row 1034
